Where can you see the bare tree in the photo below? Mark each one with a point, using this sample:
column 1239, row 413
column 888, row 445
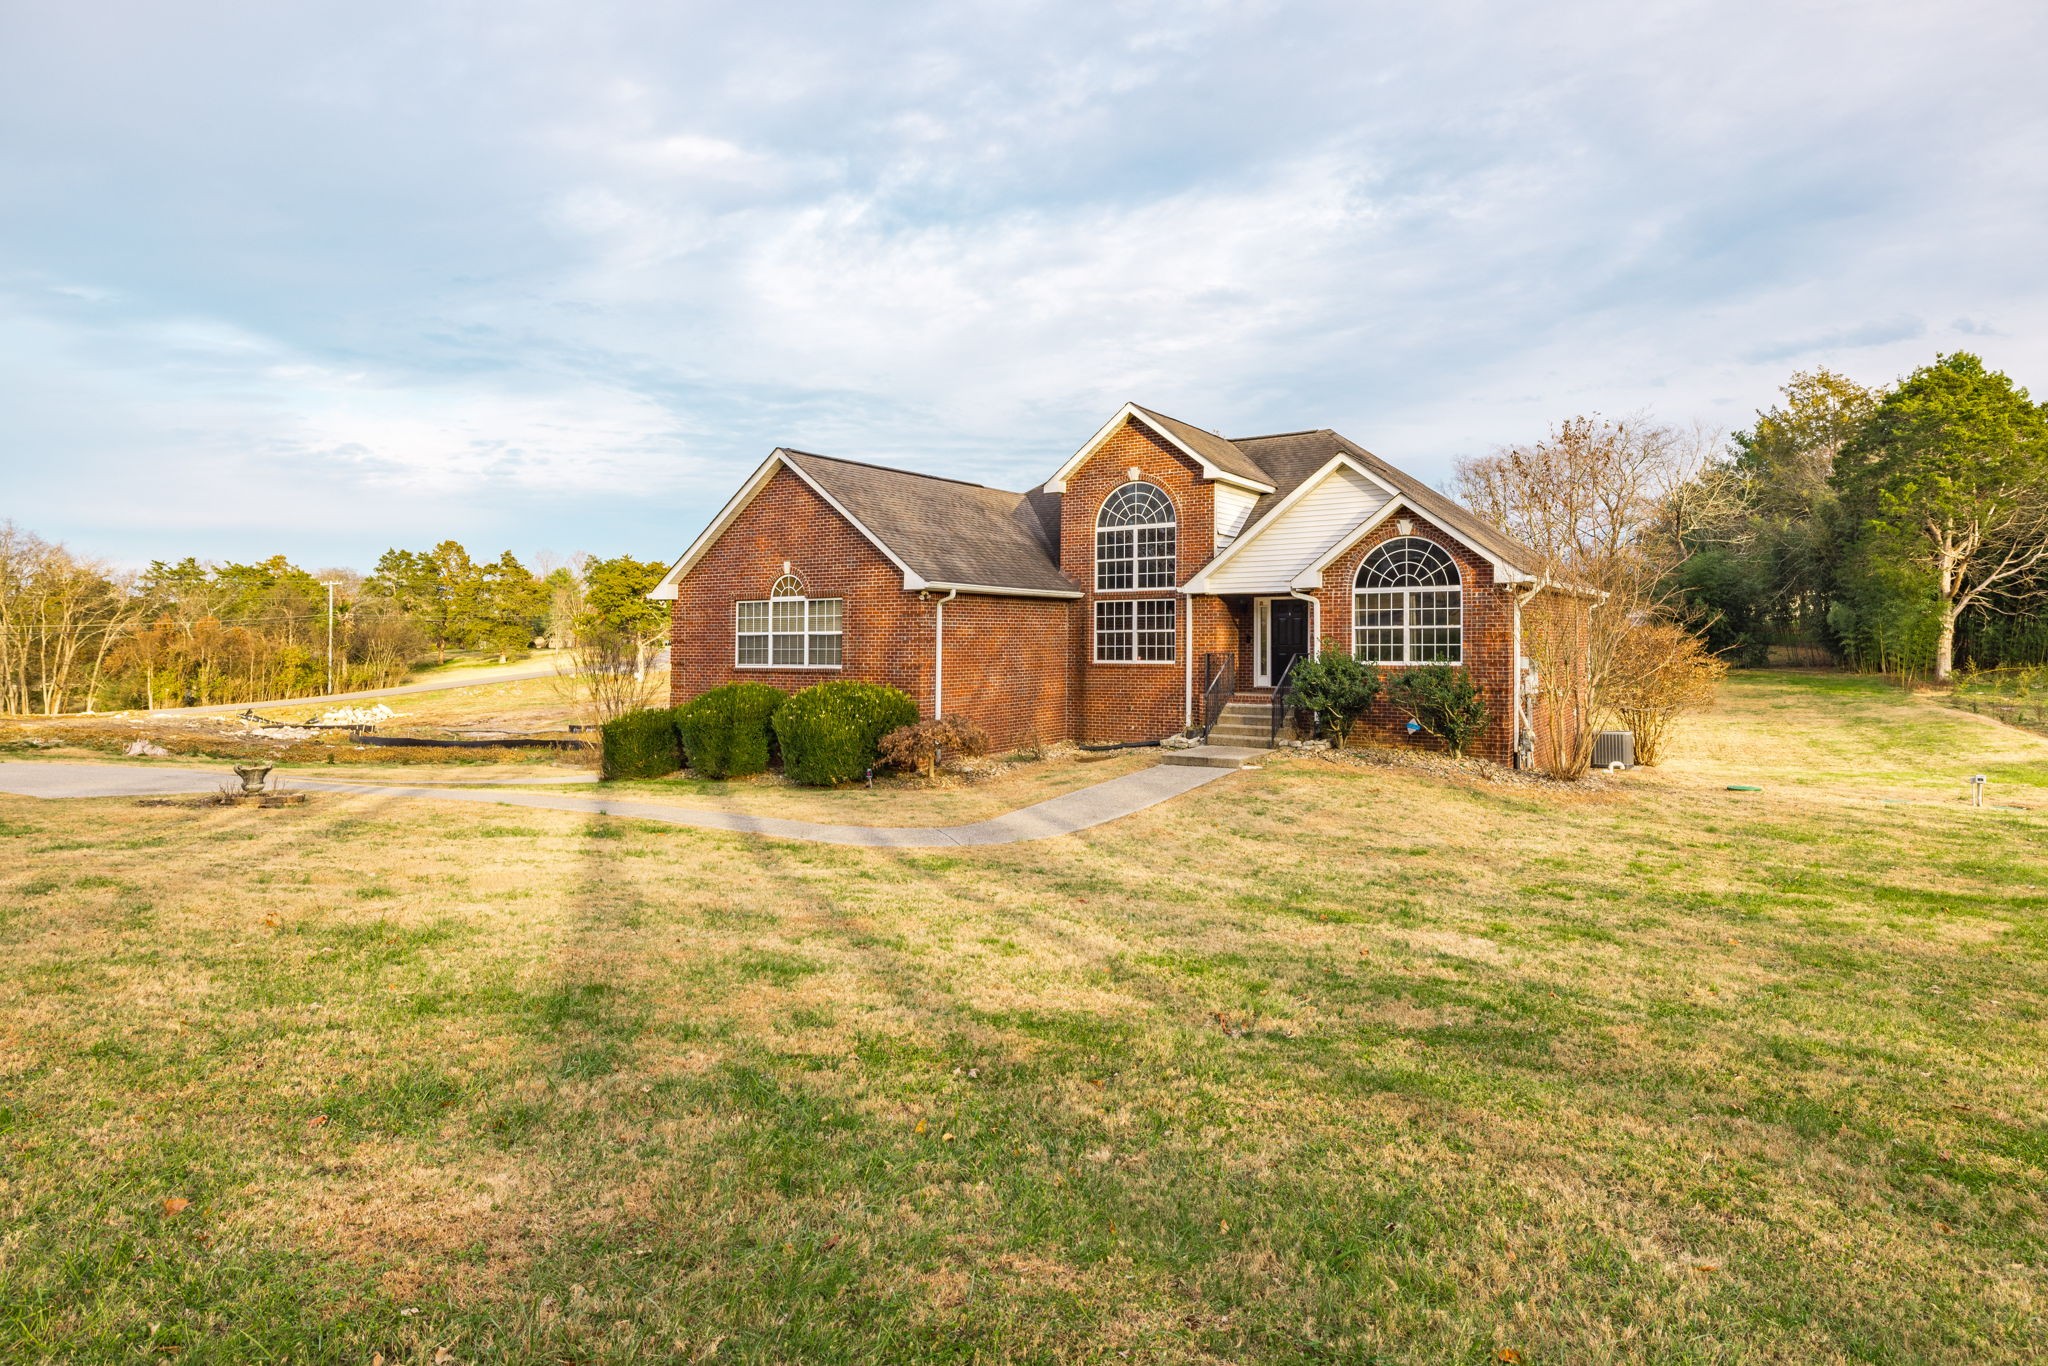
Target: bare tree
column 60, row 616
column 1607, row 505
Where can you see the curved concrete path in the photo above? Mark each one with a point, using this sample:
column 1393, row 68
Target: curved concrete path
column 1062, row 815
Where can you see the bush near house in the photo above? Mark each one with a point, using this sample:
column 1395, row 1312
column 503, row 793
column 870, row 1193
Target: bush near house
column 829, row 733
column 727, row 732
column 1443, row 700
column 640, row 744
column 1337, row 686
column 919, row 748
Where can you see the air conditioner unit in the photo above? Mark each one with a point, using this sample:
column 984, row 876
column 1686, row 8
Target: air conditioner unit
column 1611, row 747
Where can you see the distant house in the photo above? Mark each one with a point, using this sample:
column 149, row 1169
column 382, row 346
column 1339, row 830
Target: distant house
column 1159, row 571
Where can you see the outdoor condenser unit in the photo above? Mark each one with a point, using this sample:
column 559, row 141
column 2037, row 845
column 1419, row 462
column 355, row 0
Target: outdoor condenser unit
column 1611, row 747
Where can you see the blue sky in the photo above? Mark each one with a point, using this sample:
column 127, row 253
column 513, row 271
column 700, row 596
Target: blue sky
column 324, row 278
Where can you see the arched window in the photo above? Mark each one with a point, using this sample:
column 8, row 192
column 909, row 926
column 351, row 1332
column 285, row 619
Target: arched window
column 1408, row 607
column 1134, row 540
column 787, row 630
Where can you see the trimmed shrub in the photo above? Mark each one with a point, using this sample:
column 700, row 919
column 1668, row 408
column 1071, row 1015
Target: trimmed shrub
column 829, row 732
column 726, row 731
column 640, row 744
column 1443, row 700
column 1337, row 686
column 918, row 748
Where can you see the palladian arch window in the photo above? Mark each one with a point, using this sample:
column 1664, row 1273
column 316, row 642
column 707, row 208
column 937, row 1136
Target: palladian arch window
column 1134, row 540
column 788, row 630
column 1408, row 607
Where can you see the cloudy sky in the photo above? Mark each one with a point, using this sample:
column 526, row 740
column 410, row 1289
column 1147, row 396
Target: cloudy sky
column 325, row 278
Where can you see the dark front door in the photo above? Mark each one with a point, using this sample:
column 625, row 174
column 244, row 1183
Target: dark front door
column 1290, row 633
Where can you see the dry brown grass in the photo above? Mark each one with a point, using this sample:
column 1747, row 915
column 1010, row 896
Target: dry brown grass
column 1318, row 1063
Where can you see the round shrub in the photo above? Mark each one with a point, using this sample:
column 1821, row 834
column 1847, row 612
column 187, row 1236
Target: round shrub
column 640, row 744
column 828, row 733
column 726, row 732
column 1443, row 700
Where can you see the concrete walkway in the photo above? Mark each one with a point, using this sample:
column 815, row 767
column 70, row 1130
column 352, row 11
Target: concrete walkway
column 1062, row 815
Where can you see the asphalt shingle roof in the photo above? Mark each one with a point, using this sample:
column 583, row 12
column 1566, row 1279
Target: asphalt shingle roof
column 945, row 530
column 949, row 531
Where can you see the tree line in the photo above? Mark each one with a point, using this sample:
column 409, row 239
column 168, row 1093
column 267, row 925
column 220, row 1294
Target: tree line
column 1900, row 528
column 77, row 634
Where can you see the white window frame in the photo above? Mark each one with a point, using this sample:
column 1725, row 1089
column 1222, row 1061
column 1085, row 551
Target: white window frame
column 813, row 645
column 1133, row 635
column 1403, row 601
column 1148, row 573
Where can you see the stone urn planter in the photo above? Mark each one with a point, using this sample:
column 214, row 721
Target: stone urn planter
column 253, row 777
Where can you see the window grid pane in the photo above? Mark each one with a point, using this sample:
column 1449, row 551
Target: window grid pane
column 1113, row 631
column 1155, row 631
column 789, row 632
column 1114, row 552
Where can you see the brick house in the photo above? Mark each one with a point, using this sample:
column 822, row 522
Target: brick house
column 1161, row 573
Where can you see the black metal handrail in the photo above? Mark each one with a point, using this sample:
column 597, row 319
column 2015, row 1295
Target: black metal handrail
column 1280, row 702
column 1219, row 681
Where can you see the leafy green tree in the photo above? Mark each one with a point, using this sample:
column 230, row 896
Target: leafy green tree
column 1788, row 456
column 615, row 603
column 1951, row 470
column 512, row 605
column 1336, row 686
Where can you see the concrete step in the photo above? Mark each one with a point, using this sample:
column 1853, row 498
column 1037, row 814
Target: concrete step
column 1214, row 756
column 1259, row 738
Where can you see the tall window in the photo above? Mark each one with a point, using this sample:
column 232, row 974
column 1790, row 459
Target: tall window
column 787, row 630
column 1134, row 539
column 1408, row 607
column 1134, row 631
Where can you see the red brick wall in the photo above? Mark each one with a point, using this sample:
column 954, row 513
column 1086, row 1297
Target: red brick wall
column 1007, row 659
column 1009, row 663
column 1132, row 701
column 1489, row 639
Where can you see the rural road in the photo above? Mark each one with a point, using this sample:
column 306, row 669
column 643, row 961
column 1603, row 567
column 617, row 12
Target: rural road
column 465, row 678
column 1062, row 815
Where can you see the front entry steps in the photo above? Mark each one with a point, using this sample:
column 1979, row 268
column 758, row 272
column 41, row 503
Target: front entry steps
column 1246, row 724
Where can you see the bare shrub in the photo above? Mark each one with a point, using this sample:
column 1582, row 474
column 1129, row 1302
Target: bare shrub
column 918, row 748
column 603, row 676
column 1660, row 672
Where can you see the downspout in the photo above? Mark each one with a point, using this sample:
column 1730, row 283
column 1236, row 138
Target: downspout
column 939, row 655
column 1315, row 620
column 1515, row 669
column 1187, row 650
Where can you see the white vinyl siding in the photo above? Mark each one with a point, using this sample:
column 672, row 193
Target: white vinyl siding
column 1232, row 507
column 1273, row 554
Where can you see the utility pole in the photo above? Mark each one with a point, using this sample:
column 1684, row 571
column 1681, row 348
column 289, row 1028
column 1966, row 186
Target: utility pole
column 329, row 584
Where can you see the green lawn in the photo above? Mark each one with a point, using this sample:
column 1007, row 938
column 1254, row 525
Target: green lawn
column 1319, row 1063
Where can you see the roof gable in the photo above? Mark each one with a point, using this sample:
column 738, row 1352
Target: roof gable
column 941, row 533
column 1215, row 457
